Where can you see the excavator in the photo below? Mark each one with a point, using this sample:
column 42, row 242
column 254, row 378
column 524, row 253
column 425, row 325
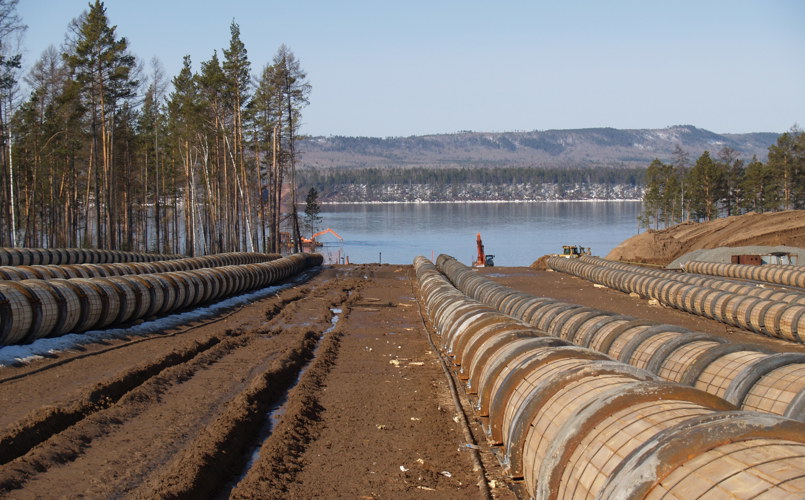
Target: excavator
column 312, row 240
column 483, row 259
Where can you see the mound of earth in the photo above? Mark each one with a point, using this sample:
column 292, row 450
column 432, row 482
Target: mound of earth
column 664, row 246
column 540, row 264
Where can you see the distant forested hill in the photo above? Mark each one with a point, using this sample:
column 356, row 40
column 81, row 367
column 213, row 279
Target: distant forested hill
column 601, row 163
column 581, row 148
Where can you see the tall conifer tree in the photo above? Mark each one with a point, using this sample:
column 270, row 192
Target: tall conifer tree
column 102, row 67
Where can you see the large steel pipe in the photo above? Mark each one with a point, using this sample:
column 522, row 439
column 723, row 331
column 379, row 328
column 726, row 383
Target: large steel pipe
column 571, row 419
column 674, row 353
column 711, row 281
column 779, row 275
column 53, row 271
column 33, row 308
column 764, row 316
column 13, row 256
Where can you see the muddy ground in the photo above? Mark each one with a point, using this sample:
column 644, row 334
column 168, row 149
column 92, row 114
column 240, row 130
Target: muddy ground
column 204, row 411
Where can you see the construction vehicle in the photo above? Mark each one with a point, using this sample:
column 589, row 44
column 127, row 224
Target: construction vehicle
column 573, row 251
column 312, row 240
column 483, row 259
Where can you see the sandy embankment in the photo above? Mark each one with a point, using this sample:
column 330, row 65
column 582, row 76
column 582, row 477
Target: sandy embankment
column 664, row 246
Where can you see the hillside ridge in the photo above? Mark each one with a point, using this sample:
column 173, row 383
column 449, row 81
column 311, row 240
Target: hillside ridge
column 571, row 148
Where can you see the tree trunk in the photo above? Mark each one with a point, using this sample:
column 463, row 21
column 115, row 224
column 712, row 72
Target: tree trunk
column 291, row 144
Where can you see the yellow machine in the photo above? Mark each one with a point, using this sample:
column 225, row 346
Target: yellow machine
column 573, row 251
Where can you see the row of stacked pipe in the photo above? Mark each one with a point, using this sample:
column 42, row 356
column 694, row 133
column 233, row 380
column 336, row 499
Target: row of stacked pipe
column 14, row 256
column 576, row 422
column 90, row 270
column 748, row 376
column 767, row 311
column 770, row 273
column 77, row 298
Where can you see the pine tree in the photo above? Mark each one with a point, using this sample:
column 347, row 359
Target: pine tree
column 787, row 161
column 10, row 25
column 733, row 168
column 660, row 196
column 213, row 107
column 236, row 69
column 265, row 112
column 681, row 160
column 652, row 196
column 706, row 181
column 759, row 187
column 151, row 159
column 293, row 90
column 183, row 116
column 101, row 65
column 312, row 211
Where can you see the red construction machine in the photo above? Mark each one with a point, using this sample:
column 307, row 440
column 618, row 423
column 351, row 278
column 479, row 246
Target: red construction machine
column 483, row 259
column 312, row 240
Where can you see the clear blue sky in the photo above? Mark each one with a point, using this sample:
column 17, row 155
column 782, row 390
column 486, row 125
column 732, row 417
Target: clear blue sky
column 398, row 68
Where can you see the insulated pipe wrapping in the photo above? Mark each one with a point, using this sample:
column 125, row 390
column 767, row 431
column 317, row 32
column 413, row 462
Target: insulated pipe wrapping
column 576, row 424
column 674, row 353
column 12, row 256
column 780, row 275
column 31, row 309
column 54, row 271
column 768, row 317
column 717, row 282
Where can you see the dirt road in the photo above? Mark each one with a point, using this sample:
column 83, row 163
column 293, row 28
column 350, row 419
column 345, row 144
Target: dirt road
column 329, row 389
column 202, row 411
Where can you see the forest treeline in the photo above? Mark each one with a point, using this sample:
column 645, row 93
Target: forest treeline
column 98, row 152
column 330, row 180
column 455, row 184
column 724, row 184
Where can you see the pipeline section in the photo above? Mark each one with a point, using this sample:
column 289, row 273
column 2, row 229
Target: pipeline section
column 750, row 377
column 33, row 309
column 773, row 318
column 574, row 423
column 720, row 283
column 13, row 256
column 67, row 271
column 770, row 273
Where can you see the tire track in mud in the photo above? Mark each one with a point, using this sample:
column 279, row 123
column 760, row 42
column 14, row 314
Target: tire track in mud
column 42, row 423
column 223, row 451
column 36, row 428
column 280, row 457
column 66, row 446
column 56, row 437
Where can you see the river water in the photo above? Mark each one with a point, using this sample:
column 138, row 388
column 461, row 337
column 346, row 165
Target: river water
column 516, row 233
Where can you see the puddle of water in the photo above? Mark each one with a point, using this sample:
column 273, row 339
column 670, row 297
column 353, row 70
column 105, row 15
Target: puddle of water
column 507, row 275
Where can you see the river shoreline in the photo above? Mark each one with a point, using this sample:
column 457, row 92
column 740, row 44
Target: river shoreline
column 424, row 202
